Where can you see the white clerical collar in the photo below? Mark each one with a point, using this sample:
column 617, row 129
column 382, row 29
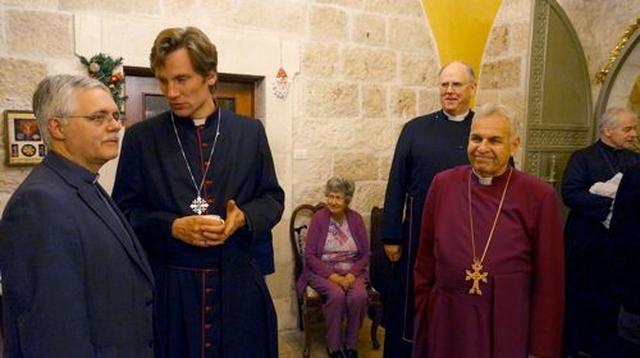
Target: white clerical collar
column 199, row 121
column 482, row 180
column 459, row 118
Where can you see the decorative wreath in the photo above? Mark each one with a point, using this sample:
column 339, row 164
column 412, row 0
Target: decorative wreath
column 103, row 68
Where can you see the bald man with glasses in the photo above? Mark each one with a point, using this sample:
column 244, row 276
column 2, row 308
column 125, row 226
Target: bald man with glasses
column 427, row 145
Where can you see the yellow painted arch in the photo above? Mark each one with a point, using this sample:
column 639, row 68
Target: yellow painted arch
column 461, row 28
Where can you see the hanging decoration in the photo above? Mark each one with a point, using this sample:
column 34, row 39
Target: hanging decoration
column 105, row 69
column 281, row 84
column 613, row 56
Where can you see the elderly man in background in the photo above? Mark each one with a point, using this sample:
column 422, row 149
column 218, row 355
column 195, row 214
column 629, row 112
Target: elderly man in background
column 427, row 145
column 589, row 186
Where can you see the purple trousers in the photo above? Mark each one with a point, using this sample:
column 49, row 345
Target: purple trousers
column 350, row 305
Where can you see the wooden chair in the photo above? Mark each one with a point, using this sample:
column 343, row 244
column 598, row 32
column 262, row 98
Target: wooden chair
column 310, row 304
column 379, row 270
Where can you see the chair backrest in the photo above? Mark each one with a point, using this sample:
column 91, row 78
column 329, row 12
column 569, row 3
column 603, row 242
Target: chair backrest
column 380, row 266
column 298, row 225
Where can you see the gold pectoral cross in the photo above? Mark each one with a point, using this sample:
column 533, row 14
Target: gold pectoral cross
column 477, row 275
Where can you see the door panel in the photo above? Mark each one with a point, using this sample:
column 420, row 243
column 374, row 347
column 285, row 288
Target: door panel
column 144, row 98
column 559, row 112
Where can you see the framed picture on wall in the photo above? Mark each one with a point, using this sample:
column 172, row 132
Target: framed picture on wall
column 23, row 141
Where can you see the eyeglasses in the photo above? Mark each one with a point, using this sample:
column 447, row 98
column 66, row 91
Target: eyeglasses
column 100, row 118
column 456, row 86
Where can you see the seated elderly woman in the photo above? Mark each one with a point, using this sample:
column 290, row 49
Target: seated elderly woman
column 336, row 261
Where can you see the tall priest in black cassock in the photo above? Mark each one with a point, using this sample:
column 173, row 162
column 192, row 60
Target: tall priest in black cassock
column 176, row 171
column 427, row 145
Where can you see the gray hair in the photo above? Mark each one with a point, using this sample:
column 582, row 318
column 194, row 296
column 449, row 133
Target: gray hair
column 470, row 72
column 506, row 112
column 611, row 117
column 344, row 186
column 55, row 97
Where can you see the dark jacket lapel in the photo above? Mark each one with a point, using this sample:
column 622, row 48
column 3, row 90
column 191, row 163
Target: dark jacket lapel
column 82, row 181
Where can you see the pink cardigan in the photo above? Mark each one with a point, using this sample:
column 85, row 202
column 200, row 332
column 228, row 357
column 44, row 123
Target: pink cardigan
column 316, row 238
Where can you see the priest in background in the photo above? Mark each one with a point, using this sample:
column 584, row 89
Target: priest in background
column 589, row 186
column 427, row 145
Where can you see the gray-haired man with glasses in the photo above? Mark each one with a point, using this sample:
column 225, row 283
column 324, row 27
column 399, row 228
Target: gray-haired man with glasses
column 101, row 117
column 76, row 282
column 427, row 145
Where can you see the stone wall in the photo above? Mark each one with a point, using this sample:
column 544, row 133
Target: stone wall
column 359, row 69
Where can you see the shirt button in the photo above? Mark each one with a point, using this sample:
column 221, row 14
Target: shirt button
column 207, row 345
column 207, row 309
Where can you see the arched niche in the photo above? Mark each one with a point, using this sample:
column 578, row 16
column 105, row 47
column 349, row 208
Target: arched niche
column 621, row 83
column 556, row 126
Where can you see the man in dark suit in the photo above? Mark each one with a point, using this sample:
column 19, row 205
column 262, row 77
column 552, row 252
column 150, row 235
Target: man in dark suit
column 75, row 279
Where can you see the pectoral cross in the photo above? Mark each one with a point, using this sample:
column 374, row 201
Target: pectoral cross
column 477, row 275
column 199, row 205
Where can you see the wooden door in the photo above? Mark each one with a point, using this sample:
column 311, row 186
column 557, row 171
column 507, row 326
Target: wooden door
column 144, row 98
